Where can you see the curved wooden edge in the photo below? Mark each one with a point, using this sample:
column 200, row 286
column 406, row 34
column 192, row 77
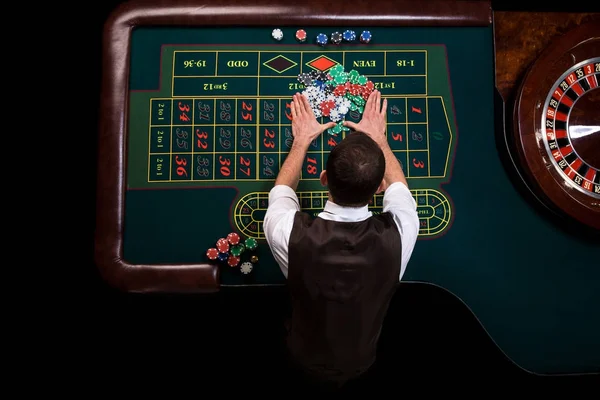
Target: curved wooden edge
column 306, row 12
column 521, row 36
column 114, row 102
column 532, row 90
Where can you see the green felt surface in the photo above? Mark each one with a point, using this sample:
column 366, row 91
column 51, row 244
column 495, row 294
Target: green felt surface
column 208, row 129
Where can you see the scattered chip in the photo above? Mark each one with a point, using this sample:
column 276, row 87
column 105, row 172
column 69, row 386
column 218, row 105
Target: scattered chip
column 233, row 261
column 254, row 259
column 365, row 37
column 246, row 268
column 336, row 38
column 251, row 244
column 237, row 250
column 349, row 36
column 277, row 34
column 233, row 238
column 212, row 253
column 301, row 35
column 321, row 39
column 223, row 245
column 222, row 257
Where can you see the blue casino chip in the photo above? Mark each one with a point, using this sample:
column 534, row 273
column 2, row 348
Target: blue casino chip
column 349, row 36
column 365, row 37
column 321, row 39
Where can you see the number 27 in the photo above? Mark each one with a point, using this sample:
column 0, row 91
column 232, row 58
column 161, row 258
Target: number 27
column 246, row 163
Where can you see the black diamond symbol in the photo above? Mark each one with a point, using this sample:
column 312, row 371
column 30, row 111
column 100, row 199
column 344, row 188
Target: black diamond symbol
column 280, row 64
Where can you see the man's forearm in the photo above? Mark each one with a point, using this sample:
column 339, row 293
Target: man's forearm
column 393, row 170
column 292, row 167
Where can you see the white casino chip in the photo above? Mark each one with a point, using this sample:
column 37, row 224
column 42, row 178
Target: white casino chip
column 334, row 115
column 277, row 34
column 246, row 267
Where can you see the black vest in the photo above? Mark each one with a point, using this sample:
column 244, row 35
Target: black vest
column 341, row 277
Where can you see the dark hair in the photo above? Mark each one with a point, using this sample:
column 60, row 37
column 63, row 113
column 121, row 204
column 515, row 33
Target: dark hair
column 355, row 169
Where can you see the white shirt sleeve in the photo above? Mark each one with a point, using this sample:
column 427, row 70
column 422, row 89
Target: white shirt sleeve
column 398, row 201
column 279, row 221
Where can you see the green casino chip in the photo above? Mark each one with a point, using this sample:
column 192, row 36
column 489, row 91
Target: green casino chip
column 251, row 244
column 237, row 250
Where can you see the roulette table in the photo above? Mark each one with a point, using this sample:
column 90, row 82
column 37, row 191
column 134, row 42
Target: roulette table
column 490, row 114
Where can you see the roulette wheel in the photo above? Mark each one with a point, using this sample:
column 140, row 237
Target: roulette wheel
column 557, row 125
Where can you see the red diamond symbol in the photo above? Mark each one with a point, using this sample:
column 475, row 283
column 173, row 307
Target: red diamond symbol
column 321, row 63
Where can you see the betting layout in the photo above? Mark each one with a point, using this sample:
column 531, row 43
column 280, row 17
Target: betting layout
column 227, row 122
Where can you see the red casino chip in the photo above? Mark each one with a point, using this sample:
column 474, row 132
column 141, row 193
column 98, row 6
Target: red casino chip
column 233, row 238
column 233, row 261
column 301, row 35
column 223, row 245
column 212, row 253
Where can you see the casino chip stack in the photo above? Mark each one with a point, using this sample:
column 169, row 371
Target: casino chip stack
column 234, row 252
column 335, row 93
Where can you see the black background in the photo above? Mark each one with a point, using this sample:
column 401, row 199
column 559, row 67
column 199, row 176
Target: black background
column 233, row 339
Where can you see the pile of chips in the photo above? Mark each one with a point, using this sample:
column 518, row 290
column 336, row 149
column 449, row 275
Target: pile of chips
column 231, row 251
column 334, row 93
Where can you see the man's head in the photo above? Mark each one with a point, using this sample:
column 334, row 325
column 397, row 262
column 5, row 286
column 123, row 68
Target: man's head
column 354, row 170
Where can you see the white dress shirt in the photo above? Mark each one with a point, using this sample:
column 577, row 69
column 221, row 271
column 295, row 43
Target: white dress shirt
column 283, row 205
